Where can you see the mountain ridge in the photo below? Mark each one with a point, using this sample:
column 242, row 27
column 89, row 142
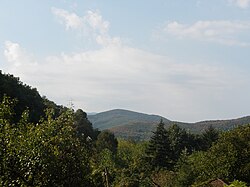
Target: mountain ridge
column 135, row 125
column 120, row 117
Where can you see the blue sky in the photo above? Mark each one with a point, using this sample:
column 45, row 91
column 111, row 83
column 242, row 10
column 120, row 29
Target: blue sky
column 185, row 60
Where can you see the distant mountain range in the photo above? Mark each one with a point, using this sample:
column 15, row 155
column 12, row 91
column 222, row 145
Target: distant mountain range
column 128, row 124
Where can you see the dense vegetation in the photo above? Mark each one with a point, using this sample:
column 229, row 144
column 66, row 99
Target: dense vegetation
column 61, row 148
column 27, row 97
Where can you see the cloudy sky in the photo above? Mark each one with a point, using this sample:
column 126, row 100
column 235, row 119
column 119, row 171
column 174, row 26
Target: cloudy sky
column 184, row 60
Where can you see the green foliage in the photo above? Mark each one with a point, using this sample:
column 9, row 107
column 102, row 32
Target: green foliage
column 208, row 137
column 158, row 151
column 27, row 97
column 133, row 170
column 106, row 140
column 166, row 146
column 57, row 110
column 227, row 159
column 179, row 141
column 7, row 110
column 104, row 168
column 237, row 183
column 83, row 126
column 46, row 154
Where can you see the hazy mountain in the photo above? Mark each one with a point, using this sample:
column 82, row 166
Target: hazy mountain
column 129, row 124
column 119, row 117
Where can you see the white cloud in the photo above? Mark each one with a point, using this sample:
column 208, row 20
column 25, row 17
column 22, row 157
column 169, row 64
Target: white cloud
column 13, row 52
column 92, row 19
column 240, row 3
column 70, row 20
column 118, row 76
column 18, row 58
column 95, row 20
column 223, row 32
column 92, row 24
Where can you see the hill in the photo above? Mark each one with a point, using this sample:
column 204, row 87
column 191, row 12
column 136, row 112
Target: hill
column 27, row 98
column 223, row 125
column 139, row 126
column 119, row 117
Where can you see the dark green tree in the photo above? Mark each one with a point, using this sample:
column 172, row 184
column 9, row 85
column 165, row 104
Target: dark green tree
column 106, row 140
column 158, row 152
column 179, row 141
column 83, row 125
column 27, row 97
column 209, row 136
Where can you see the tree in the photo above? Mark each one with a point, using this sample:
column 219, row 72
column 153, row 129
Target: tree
column 179, row 140
column 14, row 88
column 228, row 159
column 158, row 152
column 209, row 136
column 83, row 126
column 45, row 154
column 106, row 140
column 131, row 163
column 104, row 168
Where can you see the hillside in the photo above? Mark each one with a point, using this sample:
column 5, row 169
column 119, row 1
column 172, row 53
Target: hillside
column 139, row 126
column 27, row 98
column 119, row 117
column 218, row 124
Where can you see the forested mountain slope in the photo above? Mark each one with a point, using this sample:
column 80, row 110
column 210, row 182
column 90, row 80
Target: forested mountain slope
column 120, row 117
column 27, row 98
column 129, row 124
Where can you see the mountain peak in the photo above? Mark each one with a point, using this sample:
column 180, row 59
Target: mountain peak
column 119, row 117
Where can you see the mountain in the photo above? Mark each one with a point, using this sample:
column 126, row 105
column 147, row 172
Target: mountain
column 126, row 124
column 119, row 117
column 134, row 125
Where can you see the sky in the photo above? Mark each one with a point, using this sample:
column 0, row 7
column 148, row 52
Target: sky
column 185, row 60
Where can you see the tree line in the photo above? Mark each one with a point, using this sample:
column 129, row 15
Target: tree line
column 67, row 151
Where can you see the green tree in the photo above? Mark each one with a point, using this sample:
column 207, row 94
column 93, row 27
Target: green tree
column 208, row 137
column 104, row 168
column 133, row 170
column 227, row 159
column 179, row 140
column 106, row 140
column 83, row 125
column 45, row 154
column 158, row 152
column 27, row 97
